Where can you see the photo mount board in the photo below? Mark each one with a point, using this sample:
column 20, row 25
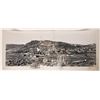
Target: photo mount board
column 76, row 36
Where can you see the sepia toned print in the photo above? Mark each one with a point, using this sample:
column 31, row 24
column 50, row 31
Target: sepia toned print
column 61, row 49
column 50, row 53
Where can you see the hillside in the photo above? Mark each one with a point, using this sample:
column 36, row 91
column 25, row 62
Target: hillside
column 50, row 53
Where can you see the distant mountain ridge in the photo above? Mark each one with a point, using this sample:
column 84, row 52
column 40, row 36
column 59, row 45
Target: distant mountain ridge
column 47, row 43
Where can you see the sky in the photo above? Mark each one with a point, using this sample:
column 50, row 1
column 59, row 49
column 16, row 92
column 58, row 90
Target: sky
column 80, row 36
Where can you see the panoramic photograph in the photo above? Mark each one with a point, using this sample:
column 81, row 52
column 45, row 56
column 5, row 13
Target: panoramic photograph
column 49, row 48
